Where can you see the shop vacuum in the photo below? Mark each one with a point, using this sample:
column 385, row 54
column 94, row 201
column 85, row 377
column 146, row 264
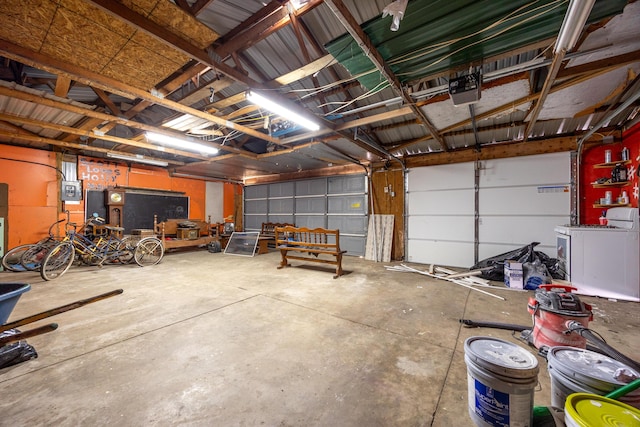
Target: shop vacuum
column 559, row 319
column 551, row 307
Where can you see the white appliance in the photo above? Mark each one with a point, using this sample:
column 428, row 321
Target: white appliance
column 601, row 260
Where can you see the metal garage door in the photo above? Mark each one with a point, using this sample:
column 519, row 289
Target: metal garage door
column 338, row 202
column 519, row 201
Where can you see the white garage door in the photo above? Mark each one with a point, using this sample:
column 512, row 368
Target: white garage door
column 520, row 200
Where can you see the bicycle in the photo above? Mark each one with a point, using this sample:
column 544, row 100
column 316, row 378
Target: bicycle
column 28, row 257
column 32, row 258
column 148, row 251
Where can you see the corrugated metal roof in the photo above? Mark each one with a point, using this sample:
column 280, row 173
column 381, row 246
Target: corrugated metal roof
column 439, row 35
column 500, row 55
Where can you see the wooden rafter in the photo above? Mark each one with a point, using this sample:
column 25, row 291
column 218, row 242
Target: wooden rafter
column 343, row 14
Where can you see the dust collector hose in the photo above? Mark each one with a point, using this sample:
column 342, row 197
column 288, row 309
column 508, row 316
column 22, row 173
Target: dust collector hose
column 577, row 328
column 495, row 325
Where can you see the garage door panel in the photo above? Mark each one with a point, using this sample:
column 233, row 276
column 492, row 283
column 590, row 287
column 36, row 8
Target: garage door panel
column 455, row 202
column 454, row 254
column 254, row 222
column 282, row 219
column 355, row 204
column 442, row 177
column 353, row 245
column 279, row 206
column 347, row 224
column 518, row 230
column 441, row 228
column 255, row 206
column 310, row 221
column 525, row 200
column 543, row 169
column 311, row 205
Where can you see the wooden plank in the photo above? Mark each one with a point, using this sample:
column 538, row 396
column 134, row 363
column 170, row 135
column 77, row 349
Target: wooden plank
column 306, row 71
column 379, row 238
column 63, row 83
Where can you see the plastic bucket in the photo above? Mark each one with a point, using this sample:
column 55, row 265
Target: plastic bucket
column 9, row 295
column 587, row 410
column 501, row 379
column 574, row 370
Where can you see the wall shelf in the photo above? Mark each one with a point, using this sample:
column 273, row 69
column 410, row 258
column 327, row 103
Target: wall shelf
column 612, row 205
column 611, row 184
column 611, row 164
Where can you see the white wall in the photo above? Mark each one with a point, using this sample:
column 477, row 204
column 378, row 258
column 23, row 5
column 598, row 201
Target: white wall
column 214, row 201
column 521, row 200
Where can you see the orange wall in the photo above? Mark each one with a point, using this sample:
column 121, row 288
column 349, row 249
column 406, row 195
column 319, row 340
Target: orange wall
column 33, row 193
column 34, row 189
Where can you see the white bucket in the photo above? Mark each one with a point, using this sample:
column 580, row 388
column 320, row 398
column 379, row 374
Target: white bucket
column 576, row 370
column 501, row 379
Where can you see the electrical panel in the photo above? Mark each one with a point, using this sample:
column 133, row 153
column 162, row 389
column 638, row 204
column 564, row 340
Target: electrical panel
column 71, row 191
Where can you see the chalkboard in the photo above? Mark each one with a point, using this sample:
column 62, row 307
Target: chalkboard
column 95, row 204
column 139, row 208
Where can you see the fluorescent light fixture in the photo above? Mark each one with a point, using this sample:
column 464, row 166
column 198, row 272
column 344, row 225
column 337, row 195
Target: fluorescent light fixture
column 138, row 158
column 181, row 143
column 278, row 109
column 577, row 15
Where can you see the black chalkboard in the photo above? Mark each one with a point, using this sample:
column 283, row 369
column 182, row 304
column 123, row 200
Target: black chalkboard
column 139, row 208
column 95, row 204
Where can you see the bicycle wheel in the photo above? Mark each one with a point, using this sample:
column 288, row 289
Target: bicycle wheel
column 57, row 261
column 149, row 251
column 11, row 261
column 32, row 258
column 126, row 249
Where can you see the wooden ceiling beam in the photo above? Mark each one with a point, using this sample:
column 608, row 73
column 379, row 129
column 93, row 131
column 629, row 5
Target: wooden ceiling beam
column 108, row 102
column 606, row 63
column 199, row 5
column 11, row 136
column 90, row 134
column 92, row 79
column 268, row 20
column 63, row 84
column 363, row 40
column 497, row 151
column 14, row 93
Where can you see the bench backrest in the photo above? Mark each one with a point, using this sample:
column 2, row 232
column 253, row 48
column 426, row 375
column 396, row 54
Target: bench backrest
column 270, row 227
column 308, row 237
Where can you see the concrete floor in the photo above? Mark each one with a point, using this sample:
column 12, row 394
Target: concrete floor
column 207, row 339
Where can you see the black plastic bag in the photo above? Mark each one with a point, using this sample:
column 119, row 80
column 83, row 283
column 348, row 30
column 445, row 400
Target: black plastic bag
column 16, row 352
column 526, row 254
column 496, row 263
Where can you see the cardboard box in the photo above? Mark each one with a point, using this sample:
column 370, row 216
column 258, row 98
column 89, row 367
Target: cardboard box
column 513, row 275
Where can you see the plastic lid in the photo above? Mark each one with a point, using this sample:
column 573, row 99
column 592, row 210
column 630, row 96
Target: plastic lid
column 501, row 357
column 586, row 365
column 591, row 410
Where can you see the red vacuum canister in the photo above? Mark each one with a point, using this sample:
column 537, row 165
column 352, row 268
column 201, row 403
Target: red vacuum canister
column 551, row 307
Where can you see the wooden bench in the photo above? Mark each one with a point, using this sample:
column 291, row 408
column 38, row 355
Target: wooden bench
column 315, row 243
column 268, row 234
column 174, row 236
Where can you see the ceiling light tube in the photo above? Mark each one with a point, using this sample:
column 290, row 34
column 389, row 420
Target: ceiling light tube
column 181, row 143
column 278, row 109
column 138, row 158
column 574, row 21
